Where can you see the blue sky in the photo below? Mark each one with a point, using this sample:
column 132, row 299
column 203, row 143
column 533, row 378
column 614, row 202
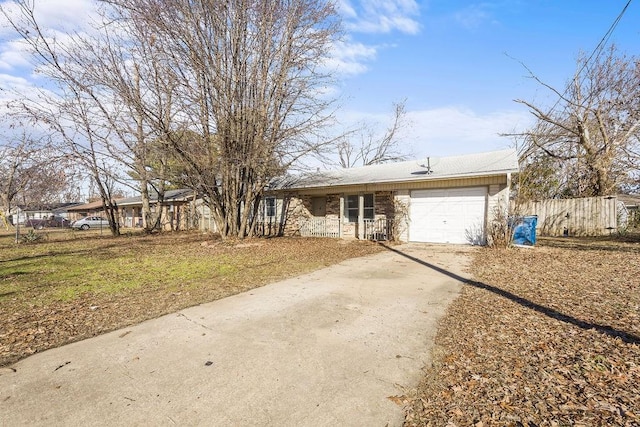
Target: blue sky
column 455, row 62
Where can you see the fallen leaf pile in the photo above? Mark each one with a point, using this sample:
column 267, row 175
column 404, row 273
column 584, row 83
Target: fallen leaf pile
column 548, row 336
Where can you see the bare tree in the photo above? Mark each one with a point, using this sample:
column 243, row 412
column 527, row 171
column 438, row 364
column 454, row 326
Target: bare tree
column 252, row 83
column 371, row 149
column 123, row 59
column 71, row 105
column 31, row 173
column 591, row 134
column 14, row 173
column 234, row 89
column 110, row 94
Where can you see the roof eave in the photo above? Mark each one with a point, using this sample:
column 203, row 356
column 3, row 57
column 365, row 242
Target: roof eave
column 402, row 181
column 155, row 201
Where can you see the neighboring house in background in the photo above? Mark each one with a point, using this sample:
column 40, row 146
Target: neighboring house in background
column 88, row 209
column 438, row 199
column 177, row 210
column 23, row 214
column 631, row 204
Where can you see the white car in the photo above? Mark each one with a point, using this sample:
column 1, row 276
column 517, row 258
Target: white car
column 90, row 222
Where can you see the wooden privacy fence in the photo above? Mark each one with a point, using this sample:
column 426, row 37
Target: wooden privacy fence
column 590, row 216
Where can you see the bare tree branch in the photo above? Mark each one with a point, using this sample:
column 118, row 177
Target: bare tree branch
column 591, row 133
column 372, row 149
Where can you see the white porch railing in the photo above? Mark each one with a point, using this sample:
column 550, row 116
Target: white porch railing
column 320, row 227
column 374, row 229
column 377, row 229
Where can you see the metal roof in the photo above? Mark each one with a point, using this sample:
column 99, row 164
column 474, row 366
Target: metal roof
column 178, row 195
column 88, row 206
column 182, row 194
column 470, row 165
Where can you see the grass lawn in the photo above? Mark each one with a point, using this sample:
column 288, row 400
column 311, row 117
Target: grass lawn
column 74, row 284
column 548, row 336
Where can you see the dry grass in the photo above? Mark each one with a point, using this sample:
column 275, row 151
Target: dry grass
column 548, row 336
column 71, row 286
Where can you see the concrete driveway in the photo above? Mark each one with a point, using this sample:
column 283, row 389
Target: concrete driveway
column 330, row 348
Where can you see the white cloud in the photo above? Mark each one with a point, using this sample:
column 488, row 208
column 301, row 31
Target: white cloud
column 346, row 9
column 349, row 58
column 59, row 14
column 14, row 87
column 9, row 81
column 380, row 16
column 475, row 15
column 74, row 12
column 58, row 19
column 455, row 130
column 13, row 55
column 448, row 130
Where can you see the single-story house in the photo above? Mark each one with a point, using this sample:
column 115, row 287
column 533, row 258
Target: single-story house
column 22, row 214
column 175, row 208
column 94, row 208
column 437, row 199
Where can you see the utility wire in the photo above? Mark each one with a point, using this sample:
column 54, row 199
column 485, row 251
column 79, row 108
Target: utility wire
column 606, row 37
column 596, row 52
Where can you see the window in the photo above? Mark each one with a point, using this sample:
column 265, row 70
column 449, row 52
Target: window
column 351, row 207
column 269, row 207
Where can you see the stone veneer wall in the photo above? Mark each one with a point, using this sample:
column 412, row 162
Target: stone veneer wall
column 383, row 205
column 333, row 205
column 297, row 208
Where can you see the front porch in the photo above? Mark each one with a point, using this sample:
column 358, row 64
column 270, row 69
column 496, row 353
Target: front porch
column 370, row 229
column 366, row 216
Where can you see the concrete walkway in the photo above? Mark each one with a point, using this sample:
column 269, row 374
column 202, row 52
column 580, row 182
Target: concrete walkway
column 325, row 349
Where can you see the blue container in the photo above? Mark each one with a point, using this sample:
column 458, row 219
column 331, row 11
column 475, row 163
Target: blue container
column 524, row 230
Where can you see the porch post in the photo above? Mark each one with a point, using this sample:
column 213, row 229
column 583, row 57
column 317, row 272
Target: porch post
column 360, row 216
column 340, row 216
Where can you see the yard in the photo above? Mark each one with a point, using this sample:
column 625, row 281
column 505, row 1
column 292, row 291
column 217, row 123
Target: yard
column 543, row 337
column 74, row 285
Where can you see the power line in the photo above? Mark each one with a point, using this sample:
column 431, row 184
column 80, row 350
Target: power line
column 606, row 37
column 598, row 49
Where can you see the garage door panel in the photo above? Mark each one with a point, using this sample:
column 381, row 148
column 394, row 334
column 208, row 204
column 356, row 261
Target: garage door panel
column 447, row 215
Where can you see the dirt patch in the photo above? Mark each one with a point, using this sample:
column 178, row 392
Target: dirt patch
column 543, row 337
column 62, row 291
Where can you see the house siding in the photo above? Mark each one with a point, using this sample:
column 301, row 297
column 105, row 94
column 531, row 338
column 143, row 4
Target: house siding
column 498, row 198
column 407, row 185
column 383, row 204
column 402, row 199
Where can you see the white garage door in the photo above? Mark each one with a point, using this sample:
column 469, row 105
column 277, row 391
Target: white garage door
column 448, row 216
